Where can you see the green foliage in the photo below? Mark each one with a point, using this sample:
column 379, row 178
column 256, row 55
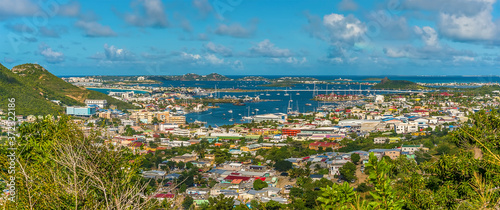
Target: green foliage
column 60, row 168
column 34, row 87
column 283, row 165
column 348, row 171
column 384, row 194
column 397, row 84
column 188, row 201
column 259, row 184
column 355, row 158
column 220, row 203
column 337, row 197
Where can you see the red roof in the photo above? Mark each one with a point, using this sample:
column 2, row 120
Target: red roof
column 232, row 177
column 323, row 144
column 163, row 195
column 136, row 144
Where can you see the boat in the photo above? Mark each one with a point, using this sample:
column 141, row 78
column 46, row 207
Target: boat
column 308, row 104
column 286, row 93
column 230, row 111
column 239, row 104
column 278, row 94
column 297, row 93
column 230, row 120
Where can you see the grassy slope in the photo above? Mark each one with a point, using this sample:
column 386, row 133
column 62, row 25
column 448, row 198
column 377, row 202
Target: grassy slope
column 36, row 87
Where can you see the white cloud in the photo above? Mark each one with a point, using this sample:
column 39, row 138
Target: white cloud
column 95, row 29
column 212, row 59
column 50, row 55
column 348, row 5
column 395, row 53
column 477, row 27
column 148, row 13
column 235, row 30
column 203, row 6
column 290, row 60
column 218, row 49
column 17, row 8
column 463, row 59
column 344, row 28
column 428, row 35
column 112, row 53
column 267, row 49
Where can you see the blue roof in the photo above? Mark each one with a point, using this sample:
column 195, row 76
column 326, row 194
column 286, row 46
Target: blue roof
column 318, row 176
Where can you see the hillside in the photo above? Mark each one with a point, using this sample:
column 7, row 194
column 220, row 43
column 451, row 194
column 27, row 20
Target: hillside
column 388, row 84
column 33, row 87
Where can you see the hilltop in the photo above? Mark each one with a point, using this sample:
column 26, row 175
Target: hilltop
column 34, row 87
column 388, row 84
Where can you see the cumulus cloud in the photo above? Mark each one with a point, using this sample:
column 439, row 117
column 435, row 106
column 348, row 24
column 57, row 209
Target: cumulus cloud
column 290, row 60
column 199, row 60
column 267, row 49
column 203, row 6
column 344, row 28
column 72, row 9
column 347, row 5
column 218, row 49
column 17, row 8
column 235, row 30
column 183, row 22
column 432, row 49
column 429, row 36
column 112, row 53
column 95, row 29
column 148, row 13
column 477, row 27
column 50, row 55
column 460, row 20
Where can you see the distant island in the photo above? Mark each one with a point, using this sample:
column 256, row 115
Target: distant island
column 388, row 84
column 373, row 79
column 191, row 77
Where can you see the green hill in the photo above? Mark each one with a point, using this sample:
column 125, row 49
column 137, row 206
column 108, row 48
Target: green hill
column 34, row 87
column 388, row 84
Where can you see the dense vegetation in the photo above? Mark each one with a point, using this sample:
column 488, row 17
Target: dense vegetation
column 34, row 87
column 57, row 167
column 397, row 84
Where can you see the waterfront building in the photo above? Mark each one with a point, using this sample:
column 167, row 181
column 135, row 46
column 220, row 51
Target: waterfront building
column 80, row 111
column 100, row 103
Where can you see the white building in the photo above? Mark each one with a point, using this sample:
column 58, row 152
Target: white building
column 280, row 117
column 99, row 103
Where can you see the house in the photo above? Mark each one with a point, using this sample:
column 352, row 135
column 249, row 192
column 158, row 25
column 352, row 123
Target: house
column 197, row 191
column 392, row 153
column 411, row 149
column 380, row 140
column 163, row 196
column 335, row 165
column 184, row 158
column 318, row 144
column 99, row 103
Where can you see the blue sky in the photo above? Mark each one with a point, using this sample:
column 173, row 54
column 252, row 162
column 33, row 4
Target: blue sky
column 253, row 37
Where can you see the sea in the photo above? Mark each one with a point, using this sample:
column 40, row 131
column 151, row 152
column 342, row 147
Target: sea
column 296, row 98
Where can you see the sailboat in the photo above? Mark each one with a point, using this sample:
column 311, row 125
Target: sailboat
column 286, row 93
column 267, row 94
